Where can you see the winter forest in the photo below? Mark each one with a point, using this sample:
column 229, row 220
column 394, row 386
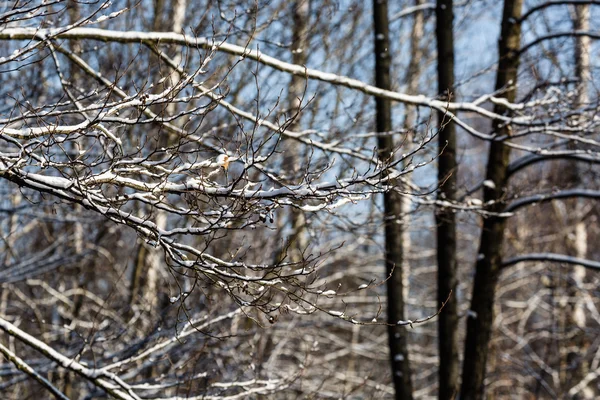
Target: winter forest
column 308, row 199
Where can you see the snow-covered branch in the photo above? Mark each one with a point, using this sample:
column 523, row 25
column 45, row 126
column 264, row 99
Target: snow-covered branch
column 244, row 52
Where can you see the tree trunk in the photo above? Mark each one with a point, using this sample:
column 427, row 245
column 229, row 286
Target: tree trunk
column 292, row 156
column 487, row 269
column 149, row 264
column 411, row 80
column 445, row 218
column 392, row 212
column 581, row 22
column 575, row 315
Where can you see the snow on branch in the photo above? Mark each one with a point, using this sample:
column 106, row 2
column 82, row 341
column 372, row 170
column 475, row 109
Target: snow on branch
column 26, row 368
column 244, row 52
column 109, row 382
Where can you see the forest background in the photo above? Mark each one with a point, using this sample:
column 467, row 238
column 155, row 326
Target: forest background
column 307, row 199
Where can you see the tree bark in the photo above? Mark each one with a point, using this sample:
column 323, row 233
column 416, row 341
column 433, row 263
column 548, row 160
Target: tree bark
column 292, row 156
column 575, row 315
column 411, row 80
column 149, row 264
column 397, row 335
column 487, row 269
column 445, row 218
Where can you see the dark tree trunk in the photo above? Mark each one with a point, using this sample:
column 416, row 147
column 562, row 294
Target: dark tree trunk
column 445, row 218
column 392, row 213
column 487, row 269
